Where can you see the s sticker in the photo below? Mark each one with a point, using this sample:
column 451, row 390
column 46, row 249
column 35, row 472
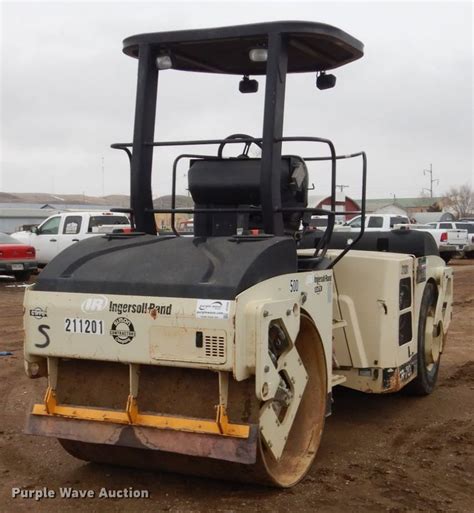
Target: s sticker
column 43, row 329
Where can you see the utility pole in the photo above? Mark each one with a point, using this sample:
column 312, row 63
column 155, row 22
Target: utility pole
column 185, row 175
column 432, row 181
column 341, row 200
column 103, row 172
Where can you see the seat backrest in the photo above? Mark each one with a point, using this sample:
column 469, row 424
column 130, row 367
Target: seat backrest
column 235, row 183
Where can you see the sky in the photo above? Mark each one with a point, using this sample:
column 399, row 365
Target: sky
column 68, row 92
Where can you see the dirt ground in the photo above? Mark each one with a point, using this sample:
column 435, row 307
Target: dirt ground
column 379, row 453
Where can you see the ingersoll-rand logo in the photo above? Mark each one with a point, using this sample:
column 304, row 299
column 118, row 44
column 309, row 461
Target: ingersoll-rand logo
column 94, row 304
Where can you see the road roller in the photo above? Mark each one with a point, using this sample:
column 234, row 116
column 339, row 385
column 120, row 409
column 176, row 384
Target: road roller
column 215, row 353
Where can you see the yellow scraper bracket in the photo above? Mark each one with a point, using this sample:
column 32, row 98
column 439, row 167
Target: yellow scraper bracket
column 50, row 401
column 222, row 420
column 132, row 409
column 131, row 415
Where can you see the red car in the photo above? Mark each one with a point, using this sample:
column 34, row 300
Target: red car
column 16, row 259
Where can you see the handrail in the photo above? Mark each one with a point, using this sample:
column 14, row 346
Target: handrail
column 173, row 185
column 126, row 211
column 123, row 147
column 362, row 224
column 323, row 242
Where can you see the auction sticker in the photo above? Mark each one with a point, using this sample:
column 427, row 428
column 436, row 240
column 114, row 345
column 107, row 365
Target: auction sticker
column 212, row 309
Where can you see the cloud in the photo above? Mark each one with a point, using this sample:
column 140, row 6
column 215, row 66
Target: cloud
column 68, row 92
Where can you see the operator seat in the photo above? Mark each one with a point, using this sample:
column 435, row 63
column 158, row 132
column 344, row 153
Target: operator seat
column 235, row 183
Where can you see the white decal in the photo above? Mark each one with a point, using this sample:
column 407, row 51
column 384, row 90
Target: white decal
column 212, row 309
column 83, row 326
column 38, row 312
column 94, row 304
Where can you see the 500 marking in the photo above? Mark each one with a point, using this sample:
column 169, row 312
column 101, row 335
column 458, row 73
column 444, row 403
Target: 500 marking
column 294, row 285
column 83, row 326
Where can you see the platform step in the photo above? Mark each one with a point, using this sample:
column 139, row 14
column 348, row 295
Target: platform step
column 337, row 379
column 338, row 324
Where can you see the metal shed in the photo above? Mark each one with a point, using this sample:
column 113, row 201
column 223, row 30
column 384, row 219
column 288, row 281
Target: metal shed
column 11, row 219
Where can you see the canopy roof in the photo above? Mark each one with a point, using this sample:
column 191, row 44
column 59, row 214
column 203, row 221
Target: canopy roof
column 311, row 47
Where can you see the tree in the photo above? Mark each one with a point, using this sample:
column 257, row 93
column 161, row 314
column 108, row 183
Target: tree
column 434, row 207
column 461, row 200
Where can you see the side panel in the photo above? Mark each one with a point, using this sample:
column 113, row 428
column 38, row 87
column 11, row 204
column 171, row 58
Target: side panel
column 368, row 297
column 309, row 291
column 180, row 332
column 130, row 329
column 379, row 298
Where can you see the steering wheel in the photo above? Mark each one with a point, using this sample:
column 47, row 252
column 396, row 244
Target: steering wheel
column 246, row 143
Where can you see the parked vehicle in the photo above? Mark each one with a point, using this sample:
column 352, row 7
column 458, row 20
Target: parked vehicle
column 16, row 259
column 375, row 222
column 62, row 230
column 462, row 239
column 26, row 227
column 318, row 223
column 446, row 239
column 468, row 250
column 469, row 226
column 186, row 226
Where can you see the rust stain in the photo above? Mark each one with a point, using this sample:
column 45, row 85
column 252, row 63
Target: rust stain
column 394, row 383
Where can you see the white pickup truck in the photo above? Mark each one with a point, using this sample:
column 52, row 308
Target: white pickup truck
column 64, row 229
column 451, row 242
column 460, row 226
column 374, row 222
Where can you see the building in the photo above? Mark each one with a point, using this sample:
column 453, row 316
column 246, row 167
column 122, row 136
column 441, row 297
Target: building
column 433, row 217
column 17, row 216
column 422, row 210
column 14, row 219
column 403, row 206
column 343, row 203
